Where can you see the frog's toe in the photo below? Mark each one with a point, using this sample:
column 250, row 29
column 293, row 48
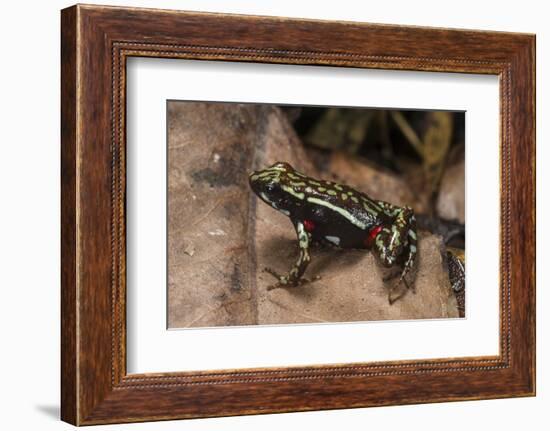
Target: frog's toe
column 275, row 286
column 274, row 273
column 282, row 280
column 285, row 281
column 396, row 293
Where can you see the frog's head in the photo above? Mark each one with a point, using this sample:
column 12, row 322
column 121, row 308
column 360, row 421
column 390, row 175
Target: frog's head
column 272, row 186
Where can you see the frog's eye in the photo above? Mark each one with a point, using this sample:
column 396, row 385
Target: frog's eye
column 270, row 187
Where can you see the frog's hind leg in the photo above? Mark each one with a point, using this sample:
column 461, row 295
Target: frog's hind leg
column 396, row 244
column 410, row 262
column 294, row 277
column 397, row 290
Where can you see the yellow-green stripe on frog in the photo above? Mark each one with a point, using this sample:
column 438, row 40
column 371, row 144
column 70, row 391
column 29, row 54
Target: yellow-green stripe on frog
column 339, row 215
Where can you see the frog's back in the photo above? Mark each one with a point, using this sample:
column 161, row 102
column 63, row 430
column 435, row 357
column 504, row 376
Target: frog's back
column 339, row 213
column 330, row 205
column 345, row 197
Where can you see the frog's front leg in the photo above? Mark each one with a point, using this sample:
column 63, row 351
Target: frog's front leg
column 396, row 244
column 294, row 277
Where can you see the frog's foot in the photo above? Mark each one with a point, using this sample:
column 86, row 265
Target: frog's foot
column 283, row 280
column 411, row 287
column 288, row 281
column 394, row 273
column 397, row 292
column 407, row 278
column 399, row 288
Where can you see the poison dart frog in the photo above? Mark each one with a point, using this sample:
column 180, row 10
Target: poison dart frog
column 456, row 262
column 325, row 211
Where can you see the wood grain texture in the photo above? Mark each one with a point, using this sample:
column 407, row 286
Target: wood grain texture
column 96, row 41
column 68, row 217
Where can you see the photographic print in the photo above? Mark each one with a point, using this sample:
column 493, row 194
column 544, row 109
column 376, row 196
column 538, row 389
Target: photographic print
column 304, row 214
column 262, row 222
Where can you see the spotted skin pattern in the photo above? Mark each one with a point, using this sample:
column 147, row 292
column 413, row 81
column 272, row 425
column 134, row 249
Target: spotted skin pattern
column 456, row 262
column 334, row 213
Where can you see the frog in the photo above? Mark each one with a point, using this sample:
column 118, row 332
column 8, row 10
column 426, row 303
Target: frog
column 456, row 263
column 327, row 212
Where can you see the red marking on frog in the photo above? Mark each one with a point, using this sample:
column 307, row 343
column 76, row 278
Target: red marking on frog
column 372, row 235
column 309, row 225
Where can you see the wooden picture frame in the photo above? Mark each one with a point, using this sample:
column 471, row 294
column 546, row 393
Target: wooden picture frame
column 95, row 42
